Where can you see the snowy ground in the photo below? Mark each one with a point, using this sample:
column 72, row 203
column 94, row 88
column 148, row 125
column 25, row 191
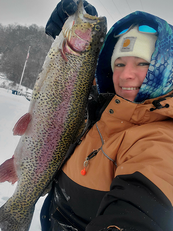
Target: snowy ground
column 12, row 107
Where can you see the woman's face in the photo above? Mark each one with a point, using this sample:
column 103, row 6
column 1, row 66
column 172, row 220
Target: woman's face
column 128, row 76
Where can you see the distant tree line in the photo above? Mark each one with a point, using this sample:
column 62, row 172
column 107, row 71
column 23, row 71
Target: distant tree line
column 14, row 44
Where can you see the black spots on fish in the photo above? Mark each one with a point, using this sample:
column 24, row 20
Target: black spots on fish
column 35, row 95
column 52, row 53
column 85, row 27
column 18, row 211
column 9, row 223
column 27, row 166
column 81, row 26
column 60, row 97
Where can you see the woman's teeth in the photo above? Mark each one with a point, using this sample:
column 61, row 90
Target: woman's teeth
column 130, row 88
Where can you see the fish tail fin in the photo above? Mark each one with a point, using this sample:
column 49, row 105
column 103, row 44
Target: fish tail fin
column 9, row 223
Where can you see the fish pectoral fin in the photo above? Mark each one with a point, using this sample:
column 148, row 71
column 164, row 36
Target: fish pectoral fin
column 22, row 124
column 8, row 172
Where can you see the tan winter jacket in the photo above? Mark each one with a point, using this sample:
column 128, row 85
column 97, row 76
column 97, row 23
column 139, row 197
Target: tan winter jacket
column 131, row 138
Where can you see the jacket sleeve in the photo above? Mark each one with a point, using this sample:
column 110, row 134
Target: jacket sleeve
column 133, row 203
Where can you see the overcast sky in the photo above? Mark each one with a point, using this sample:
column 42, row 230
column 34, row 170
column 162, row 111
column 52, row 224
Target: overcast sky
column 27, row 12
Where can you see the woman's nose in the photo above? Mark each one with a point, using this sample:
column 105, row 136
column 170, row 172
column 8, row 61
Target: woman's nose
column 128, row 72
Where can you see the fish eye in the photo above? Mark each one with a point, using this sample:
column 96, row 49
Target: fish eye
column 97, row 27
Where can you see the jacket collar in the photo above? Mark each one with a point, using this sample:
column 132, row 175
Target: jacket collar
column 152, row 110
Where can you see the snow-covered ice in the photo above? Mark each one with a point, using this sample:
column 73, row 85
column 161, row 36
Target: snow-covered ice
column 12, row 107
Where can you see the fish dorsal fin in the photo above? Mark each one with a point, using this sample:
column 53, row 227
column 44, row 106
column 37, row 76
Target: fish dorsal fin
column 22, row 124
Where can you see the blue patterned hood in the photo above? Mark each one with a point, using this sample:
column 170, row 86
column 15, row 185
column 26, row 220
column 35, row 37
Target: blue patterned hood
column 159, row 78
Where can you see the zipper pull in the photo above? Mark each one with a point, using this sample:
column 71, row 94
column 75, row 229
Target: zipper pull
column 86, row 162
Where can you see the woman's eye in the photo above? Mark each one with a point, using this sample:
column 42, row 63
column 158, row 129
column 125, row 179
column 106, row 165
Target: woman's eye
column 144, row 64
column 119, row 65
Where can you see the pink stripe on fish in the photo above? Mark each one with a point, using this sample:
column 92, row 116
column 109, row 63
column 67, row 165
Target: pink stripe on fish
column 55, row 131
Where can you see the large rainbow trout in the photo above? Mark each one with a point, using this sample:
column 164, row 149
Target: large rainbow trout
column 55, row 116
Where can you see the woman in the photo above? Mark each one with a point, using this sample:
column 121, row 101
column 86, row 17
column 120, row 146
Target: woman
column 120, row 176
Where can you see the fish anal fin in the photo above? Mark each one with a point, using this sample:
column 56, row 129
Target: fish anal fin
column 22, row 124
column 8, row 172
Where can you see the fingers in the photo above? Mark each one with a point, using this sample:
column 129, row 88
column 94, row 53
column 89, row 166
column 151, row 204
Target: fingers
column 63, row 10
column 90, row 9
column 69, row 7
column 56, row 21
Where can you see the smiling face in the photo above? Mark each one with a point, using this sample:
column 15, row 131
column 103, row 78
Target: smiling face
column 128, row 76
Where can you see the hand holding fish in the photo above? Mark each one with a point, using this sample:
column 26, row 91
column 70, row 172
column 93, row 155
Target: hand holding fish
column 63, row 10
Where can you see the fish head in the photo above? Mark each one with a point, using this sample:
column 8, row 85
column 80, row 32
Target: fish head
column 83, row 32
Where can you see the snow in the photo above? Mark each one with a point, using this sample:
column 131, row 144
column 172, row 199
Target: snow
column 12, row 107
